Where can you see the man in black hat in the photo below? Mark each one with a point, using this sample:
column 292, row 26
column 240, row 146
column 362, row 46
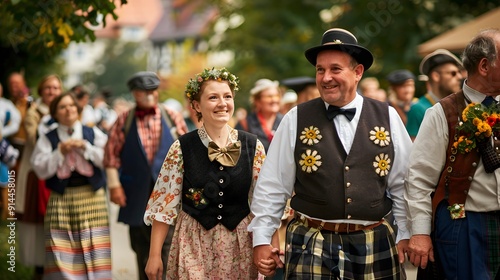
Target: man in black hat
column 401, row 91
column 137, row 144
column 443, row 72
column 342, row 159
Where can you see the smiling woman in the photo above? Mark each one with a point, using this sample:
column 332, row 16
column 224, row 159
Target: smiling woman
column 69, row 158
column 210, row 213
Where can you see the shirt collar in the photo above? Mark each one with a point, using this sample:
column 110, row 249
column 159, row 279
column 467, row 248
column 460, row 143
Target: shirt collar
column 474, row 95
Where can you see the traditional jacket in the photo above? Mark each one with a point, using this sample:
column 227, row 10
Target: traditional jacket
column 137, row 175
column 213, row 193
column 98, row 180
column 343, row 185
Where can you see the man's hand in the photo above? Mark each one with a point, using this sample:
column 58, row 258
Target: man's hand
column 420, row 250
column 117, row 196
column 402, row 249
column 267, row 259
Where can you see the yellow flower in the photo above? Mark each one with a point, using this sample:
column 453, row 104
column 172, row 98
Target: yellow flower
column 310, row 161
column 380, row 136
column 310, row 135
column 382, row 164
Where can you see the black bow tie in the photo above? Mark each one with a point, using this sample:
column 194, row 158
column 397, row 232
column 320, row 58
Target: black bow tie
column 333, row 111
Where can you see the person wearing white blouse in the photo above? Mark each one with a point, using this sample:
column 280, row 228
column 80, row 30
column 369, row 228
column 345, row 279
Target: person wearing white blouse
column 70, row 158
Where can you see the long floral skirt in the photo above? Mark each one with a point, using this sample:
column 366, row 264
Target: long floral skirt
column 200, row 254
column 77, row 240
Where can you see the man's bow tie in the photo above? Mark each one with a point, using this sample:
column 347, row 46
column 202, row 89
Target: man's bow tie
column 333, row 111
column 142, row 112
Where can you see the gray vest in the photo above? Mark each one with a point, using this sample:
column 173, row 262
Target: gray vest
column 344, row 186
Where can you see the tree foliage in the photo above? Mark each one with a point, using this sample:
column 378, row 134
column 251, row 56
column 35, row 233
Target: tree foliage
column 35, row 32
column 273, row 35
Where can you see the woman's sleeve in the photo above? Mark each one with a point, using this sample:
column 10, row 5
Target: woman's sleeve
column 258, row 161
column 164, row 202
column 44, row 160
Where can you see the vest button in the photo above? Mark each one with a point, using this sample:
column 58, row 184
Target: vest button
column 303, row 247
column 348, row 184
column 474, row 164
column 349, row 216
column 221, row 181
column 221, row 193
column 219, row 217
column 347, row 168
column 469, row 178
column 221, row 167
column 466, row 191
column 220, row 206
column 349, row 200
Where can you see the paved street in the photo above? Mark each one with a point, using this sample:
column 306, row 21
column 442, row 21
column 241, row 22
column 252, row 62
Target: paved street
column 123, row 258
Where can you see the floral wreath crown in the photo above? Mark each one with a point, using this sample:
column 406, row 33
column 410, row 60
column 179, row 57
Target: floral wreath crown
column 194, row 85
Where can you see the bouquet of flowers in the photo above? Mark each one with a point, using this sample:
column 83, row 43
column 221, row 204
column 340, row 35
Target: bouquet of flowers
column 478, row 124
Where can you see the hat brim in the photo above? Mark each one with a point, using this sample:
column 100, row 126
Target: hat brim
column 360, row 54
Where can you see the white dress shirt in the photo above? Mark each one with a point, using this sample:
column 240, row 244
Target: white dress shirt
column 46, row 161
column 427, row 161
column 277, row 178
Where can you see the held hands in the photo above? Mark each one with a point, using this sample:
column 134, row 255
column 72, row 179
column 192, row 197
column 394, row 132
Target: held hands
column 267, row 259
column 402, row 249
column 420, row 250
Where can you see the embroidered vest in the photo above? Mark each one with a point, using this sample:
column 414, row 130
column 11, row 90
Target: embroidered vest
column 212, row 193
column 456, row 177
column 137, row 175
column 344, row 186
column 97, row 181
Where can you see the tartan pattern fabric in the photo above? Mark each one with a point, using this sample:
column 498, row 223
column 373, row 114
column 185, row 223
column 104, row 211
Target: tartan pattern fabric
column 77, row 237
column 314, row 254
column 492, row 225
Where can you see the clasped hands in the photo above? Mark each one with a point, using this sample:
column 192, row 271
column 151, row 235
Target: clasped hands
column 267, row 259
column 71, row 144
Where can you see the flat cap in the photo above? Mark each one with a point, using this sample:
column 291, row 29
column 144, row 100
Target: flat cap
column 436, row 58
column 398, row 77
column 144, row 80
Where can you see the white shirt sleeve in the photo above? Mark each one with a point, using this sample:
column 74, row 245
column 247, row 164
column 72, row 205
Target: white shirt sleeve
column 44, row 160
column 427, row 160
column 275, row 182
column 395, row 185
column 15, row 118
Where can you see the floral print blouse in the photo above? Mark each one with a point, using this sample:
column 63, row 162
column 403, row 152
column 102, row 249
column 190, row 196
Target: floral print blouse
column 165, row 201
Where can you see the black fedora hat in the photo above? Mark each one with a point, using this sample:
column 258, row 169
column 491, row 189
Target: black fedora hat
column 341, row 40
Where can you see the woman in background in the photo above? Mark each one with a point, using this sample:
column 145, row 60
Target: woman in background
column 266, row 116
column 31, row 193
column 69, row 158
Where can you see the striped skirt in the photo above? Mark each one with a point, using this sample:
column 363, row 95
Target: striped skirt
column 367, row 254
column 77, row 239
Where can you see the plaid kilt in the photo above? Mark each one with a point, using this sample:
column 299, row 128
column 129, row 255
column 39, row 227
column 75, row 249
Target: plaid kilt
column 366, row 254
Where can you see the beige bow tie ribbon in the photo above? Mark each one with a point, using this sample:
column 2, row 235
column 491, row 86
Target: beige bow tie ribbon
column 227, row 156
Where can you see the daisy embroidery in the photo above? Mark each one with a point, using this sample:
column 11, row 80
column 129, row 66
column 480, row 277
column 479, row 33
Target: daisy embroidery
column 310, row 136
column 380, row 136
column 310, row 161
column 382, row 164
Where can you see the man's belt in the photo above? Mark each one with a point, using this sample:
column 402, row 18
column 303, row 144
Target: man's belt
column 336, row 227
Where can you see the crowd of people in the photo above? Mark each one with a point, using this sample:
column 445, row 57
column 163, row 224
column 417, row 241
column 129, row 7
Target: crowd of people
column 282, row 190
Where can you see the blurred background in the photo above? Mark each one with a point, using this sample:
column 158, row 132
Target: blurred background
column 101, row 43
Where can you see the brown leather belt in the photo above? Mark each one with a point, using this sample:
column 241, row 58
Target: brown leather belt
column 336, row 227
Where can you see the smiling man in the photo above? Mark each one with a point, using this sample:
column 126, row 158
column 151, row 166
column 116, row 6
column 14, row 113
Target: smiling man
column 327, row 155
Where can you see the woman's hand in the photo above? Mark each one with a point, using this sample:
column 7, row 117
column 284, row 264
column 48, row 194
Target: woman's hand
column 154, row 268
